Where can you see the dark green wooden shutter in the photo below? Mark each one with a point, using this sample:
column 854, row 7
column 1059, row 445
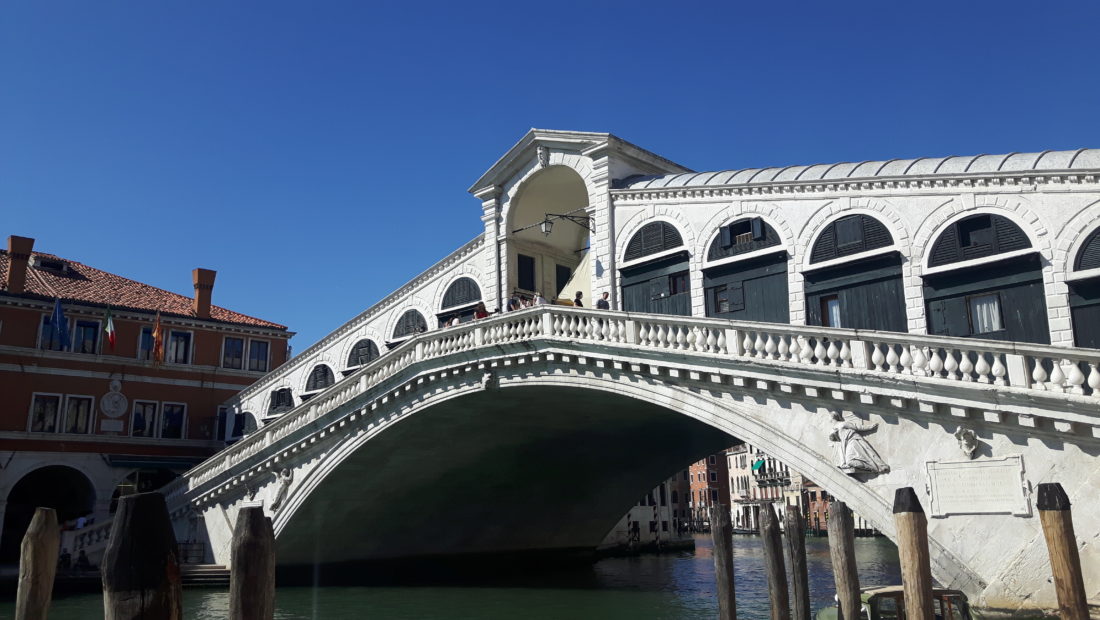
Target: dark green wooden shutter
column 461, row 292
column 948, row 317
column 653, row 238
column 1089, row 256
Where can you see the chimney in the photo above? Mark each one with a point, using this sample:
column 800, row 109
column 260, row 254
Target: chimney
column 204, row 287
column 19, row 252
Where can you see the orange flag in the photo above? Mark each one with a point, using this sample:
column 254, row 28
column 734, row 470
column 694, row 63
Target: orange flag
column 158, row 341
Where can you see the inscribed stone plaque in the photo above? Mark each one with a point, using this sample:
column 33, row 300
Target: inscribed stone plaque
column 110, row 426
column 989, row 486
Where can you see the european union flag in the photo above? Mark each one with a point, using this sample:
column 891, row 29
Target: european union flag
column 59, row 326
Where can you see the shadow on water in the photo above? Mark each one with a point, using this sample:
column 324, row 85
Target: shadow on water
column 673, row 585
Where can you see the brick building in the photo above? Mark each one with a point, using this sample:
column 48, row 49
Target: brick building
column 83, row 421
column 710, row 486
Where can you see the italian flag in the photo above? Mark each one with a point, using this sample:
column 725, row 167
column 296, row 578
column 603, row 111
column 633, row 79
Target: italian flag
column 109, row 327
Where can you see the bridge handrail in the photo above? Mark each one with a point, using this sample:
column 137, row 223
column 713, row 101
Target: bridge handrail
column 1009, row 364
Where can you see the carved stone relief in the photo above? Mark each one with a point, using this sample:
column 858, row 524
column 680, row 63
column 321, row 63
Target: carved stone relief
column 854, row 454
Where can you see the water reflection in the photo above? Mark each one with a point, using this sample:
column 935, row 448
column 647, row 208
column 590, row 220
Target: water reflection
column 675, row 585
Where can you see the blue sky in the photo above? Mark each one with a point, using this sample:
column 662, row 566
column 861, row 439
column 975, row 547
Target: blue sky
column 317, row 154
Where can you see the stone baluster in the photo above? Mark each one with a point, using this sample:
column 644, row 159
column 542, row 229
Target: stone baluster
column 758, row 345
column 998, row 370
column 806, row 353
column 770, row 347
column 1094, row 379
column 832, row 352
column 905, row 360
column 920, row 360
column 783, row 349
column 681, row 338
column 712, row 340
column 747, row 345
column 966, row 367
column 820, row 353
column 935, row 364
column 845, row 354
column 892, row 358
column 1039, row 375
column 982, row 368
column 950, row 365
column 877, row 358
column 721, row 341
column 1075, row 379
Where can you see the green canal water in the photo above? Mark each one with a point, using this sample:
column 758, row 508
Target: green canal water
column 673, row 585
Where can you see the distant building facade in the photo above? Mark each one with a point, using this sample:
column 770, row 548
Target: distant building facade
column 83, row 421
column 709, row 487
column 652, row 524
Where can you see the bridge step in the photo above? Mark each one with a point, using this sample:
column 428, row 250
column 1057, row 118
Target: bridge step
column 204, row 575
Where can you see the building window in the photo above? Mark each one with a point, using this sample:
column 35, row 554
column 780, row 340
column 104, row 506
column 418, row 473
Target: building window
column 319, row 378
column 714, row 495
column 461, row 292
column 653, row 238
column 233, row 353
column 363, row 353
column 410, row 324
column 86, row 337
column 281, row 400
column 78, row 415
column 144, row 423
column 174, row 419
column 849, row 232
column 985, row 313
column 976, row 231
column 44, row 410
column 525, row 272
column 49, row 339
column 145, row 346
column 830, row 311
column 258, row 355
column 714, row 476
column 179, row 348
column 710, row 459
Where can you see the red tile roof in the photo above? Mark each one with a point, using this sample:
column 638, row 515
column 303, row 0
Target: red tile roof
column 84, row 284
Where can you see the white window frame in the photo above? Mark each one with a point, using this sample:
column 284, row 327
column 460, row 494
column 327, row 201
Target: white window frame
column 183, row 427
column 30, row 411
column 190, row 348
column 98, row 338
column 244, row 352
column 91, row 419
column 156, row 416
column 267, row 360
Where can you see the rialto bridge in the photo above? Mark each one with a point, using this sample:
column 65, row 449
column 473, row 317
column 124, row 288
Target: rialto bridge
column 941, row 315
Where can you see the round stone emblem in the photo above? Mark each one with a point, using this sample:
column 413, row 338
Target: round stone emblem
column 113, row 403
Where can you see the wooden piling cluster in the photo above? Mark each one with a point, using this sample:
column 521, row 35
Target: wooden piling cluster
column 140, row 569
column 912, row 540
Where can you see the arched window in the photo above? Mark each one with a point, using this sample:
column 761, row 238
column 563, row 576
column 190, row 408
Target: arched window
column 653, row 238
column 364, row 352
column 977, row 236
column 850, row 235
column 461, row 292
column 1089, row 256
column 743, row 236
column 410, row 324
column 281, row 400
column 319, row 378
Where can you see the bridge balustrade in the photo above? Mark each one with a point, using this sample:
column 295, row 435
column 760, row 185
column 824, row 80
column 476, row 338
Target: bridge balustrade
column 1007, row 365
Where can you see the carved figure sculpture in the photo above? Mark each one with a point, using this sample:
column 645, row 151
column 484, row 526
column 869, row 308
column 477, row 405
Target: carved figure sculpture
column 968, row 441
column 854, row 454
column 284, row 477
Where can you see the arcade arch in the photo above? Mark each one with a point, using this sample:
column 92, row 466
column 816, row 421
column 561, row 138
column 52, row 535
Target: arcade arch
column 66, row 490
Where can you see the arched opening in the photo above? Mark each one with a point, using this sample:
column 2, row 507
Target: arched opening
column 1002, row 300
column 319, row 378
column 62, row 488
column 661, row 285
column 282, row 400
column 459, row 301
column 1084, row 294
column 864, row 292
column 410, row 324
column 363, row 353
column 551, row 260
column 753, row 289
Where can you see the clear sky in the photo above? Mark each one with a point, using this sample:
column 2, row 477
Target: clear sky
column 317, row 154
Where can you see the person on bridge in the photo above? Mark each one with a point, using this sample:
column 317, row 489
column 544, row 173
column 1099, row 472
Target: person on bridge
column 602, row 303
column 539, row 300
column 480, row 312
column 577, row 300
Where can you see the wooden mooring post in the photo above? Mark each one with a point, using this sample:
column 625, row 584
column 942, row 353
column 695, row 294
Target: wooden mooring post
column 773, row 563
column 842, row 537
column 721, row 532
column 252, row 574
column 140, row 570
column 794, row 526
column 916, row 566
column 37, row 566
column 1065, row 560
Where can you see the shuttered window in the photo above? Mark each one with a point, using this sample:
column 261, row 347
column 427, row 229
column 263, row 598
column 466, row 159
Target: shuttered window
column 742, row 236
column 977, row 236
column 1089, row 256
column 653, row 238
column 281, row 400
column 461, row 292
column 410, row 323
column 850, row 235
column 362, row 353
column 319, row 378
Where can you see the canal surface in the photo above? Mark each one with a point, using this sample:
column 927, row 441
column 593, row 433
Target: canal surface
column 673, row 585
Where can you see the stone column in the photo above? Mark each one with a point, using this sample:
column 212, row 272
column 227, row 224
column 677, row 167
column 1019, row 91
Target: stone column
column 497, row 270
column 601, row 241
